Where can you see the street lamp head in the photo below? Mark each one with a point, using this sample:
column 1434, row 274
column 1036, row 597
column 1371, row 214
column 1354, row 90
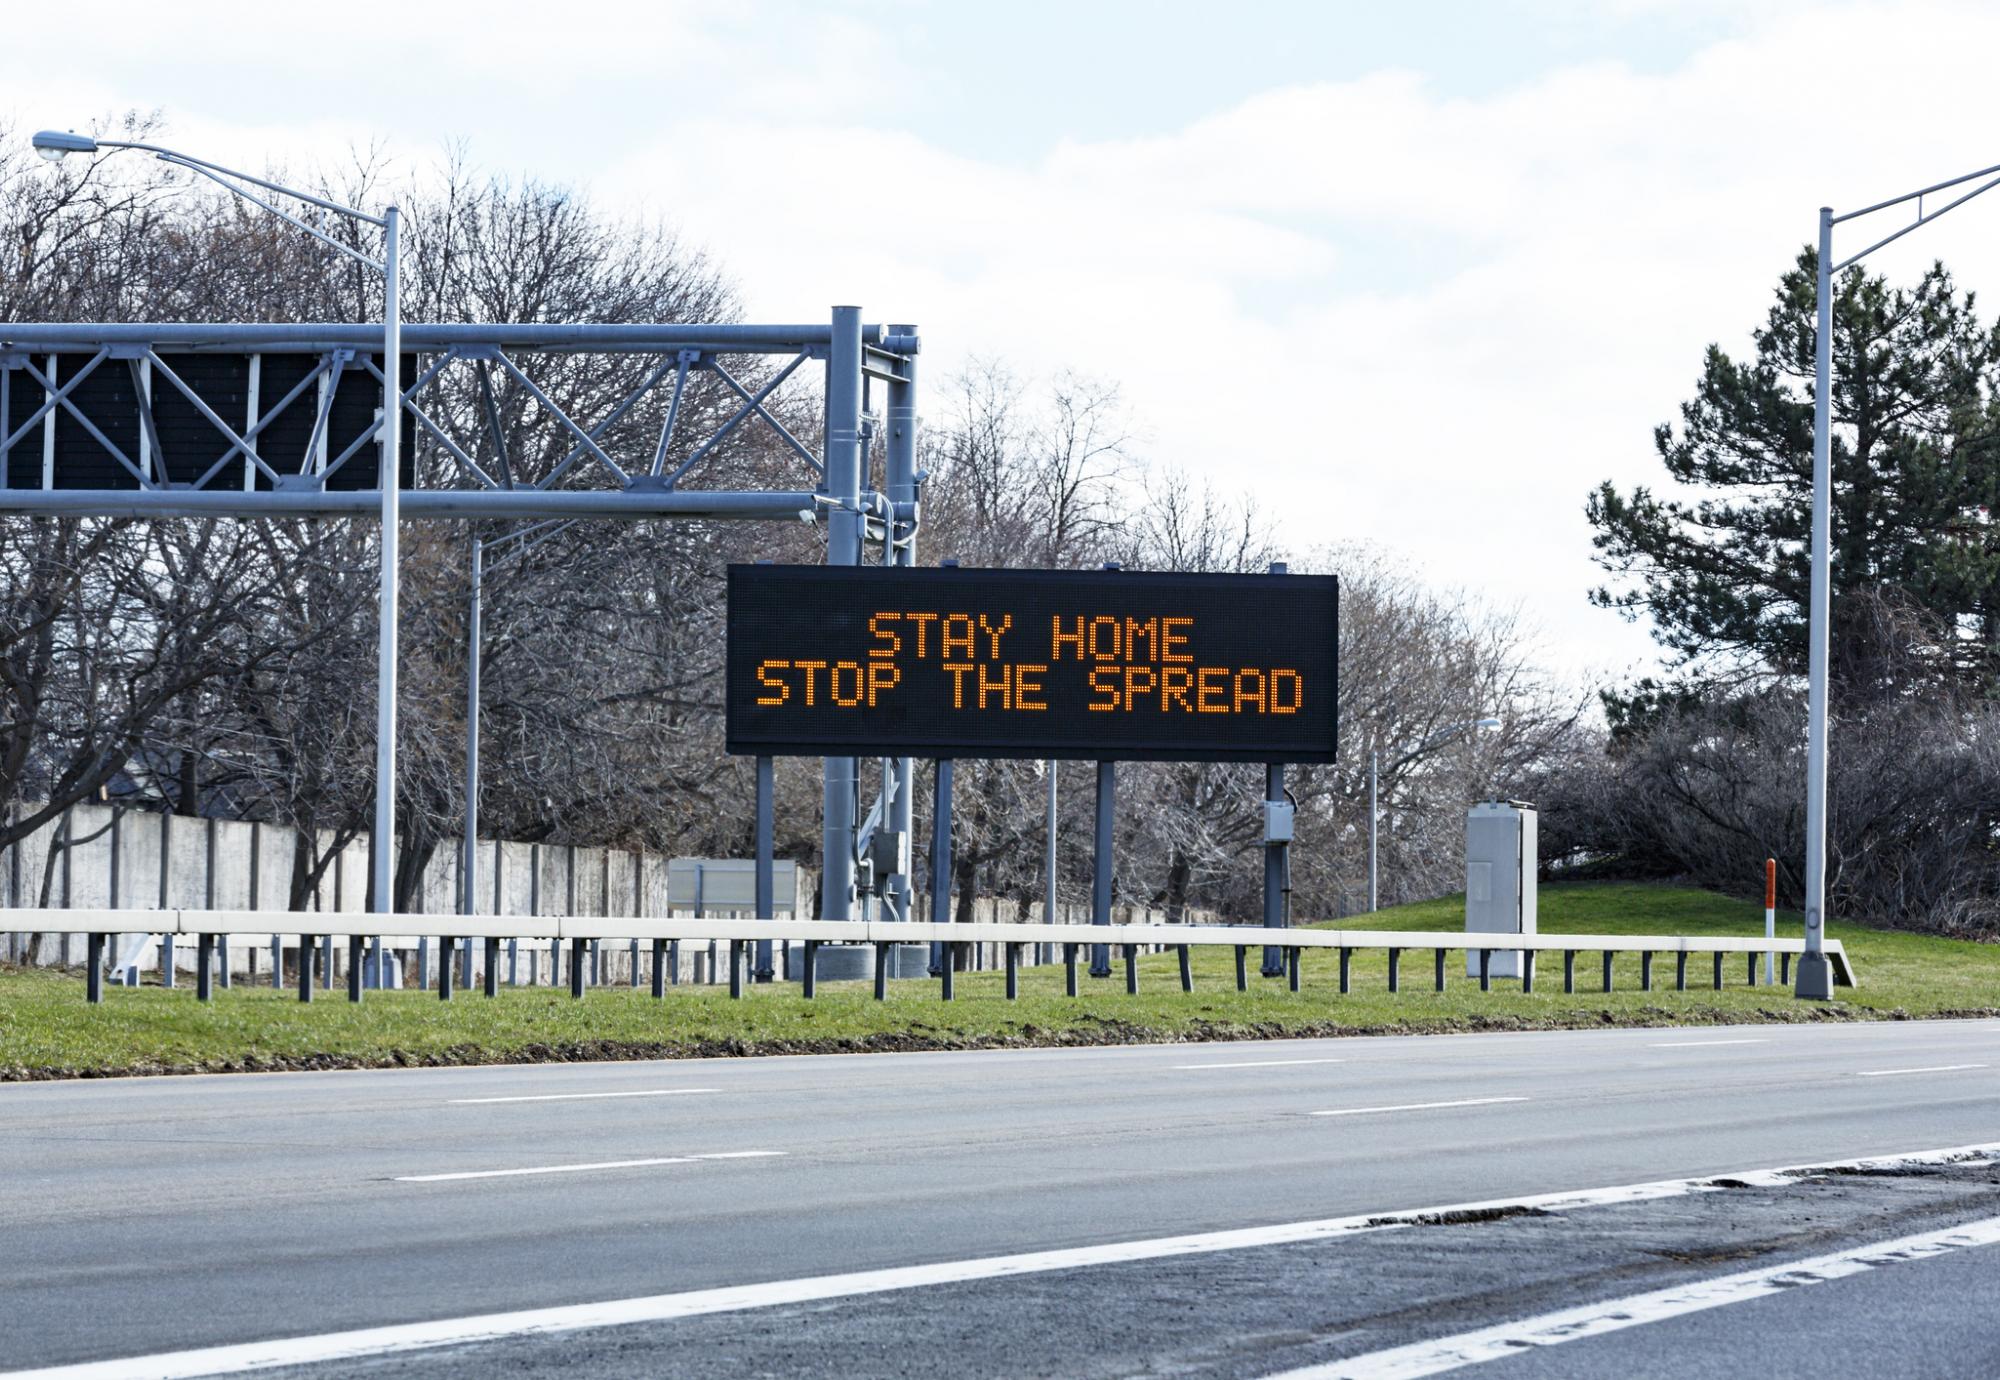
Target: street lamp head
column 53, row 144
column 1486, row 723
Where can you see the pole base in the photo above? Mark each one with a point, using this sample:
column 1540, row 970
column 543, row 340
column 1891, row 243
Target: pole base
column 1815, row 978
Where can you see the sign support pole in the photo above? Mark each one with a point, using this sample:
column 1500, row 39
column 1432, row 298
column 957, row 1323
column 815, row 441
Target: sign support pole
column 941, row 861
column 843, row 547
column 766, row 909
column 900, row 465
column 1100, row 882
column 1049, row 861
column 1274, row 877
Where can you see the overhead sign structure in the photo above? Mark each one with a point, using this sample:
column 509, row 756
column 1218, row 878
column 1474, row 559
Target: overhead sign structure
column 1105, row 665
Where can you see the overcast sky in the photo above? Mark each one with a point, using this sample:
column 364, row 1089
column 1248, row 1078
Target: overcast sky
column 1418, row 275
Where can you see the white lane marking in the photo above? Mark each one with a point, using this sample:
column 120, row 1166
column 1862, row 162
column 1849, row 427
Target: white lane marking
column 1259, row 1063
column 1614, row 1315
column 1703, row 1044
column 383, row 1341
column 1934, row 1068
column 578, row 1097
column 583, row 1168
column 1417, row 1106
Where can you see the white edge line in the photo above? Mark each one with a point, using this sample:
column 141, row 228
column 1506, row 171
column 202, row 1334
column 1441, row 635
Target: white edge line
column 1418, row 1106
column 582, row 1168
column 576, row 1097
column 1442, row 1354
column 1259, row 1063
column 382, row 1341
column 1934, row 1068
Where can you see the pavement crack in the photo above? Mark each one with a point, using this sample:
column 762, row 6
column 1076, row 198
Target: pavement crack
column 1458, row 1216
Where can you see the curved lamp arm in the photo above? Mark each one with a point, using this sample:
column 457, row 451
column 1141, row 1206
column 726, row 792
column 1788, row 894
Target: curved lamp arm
column 54, row 145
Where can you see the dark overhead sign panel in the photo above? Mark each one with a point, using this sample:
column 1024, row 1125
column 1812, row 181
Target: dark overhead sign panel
column 868, row 661
column 283, row 395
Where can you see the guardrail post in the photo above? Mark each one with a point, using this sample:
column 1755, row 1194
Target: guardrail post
column 1607, row 970
column 1646, row 970
column 354, row 970
column 1785, row 969
column 810, row 983
column 308, row 950
column 1718, row 970
column 1187, row 969
column 674, row 962
column 578, row 948
column 447, row 961
column 93, row 977
column 1569, row 972
column 947, row 963
column 1681, row 971
column 1345, row 955
column 1069, row 967
column 1014, row 971
column 1395, row 966
column 1131, row 969
column 1527, row 970
column 735, row 970
column 204, row 957
column 1486, row 970
column 882, row 952
column 492, row 983
column 1752, row 978
column 1292, row 963
column 1438, row 956
column 660, row 967
column 1242, row 976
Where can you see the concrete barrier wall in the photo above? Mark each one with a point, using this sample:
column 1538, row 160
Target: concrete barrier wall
column 137, row 860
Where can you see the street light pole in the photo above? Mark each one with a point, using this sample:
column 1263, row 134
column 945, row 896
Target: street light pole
column 1374, row 819
column 1815, row 979
column 57, row 144
column 385, row 656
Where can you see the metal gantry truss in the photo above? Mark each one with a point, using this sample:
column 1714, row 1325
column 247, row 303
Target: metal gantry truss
column 267, row 479
column 198, row 462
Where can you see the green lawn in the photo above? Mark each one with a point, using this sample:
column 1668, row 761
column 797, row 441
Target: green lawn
column 47, row 1030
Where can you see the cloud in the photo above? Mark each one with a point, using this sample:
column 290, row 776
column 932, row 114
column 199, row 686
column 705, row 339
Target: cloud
column 1394, row 312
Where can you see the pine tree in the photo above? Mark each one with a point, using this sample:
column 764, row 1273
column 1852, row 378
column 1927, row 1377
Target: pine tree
column 1720, row 563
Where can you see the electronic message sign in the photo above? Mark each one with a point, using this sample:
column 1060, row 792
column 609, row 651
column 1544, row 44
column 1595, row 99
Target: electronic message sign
column 867, row 661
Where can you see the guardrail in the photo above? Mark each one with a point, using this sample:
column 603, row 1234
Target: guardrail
column 207, row 926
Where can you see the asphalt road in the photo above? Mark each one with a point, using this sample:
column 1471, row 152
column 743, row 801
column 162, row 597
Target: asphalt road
column 149, row 1216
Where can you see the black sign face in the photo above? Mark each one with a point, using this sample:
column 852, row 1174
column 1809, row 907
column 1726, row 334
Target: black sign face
column 184, row 446
column 865, row 661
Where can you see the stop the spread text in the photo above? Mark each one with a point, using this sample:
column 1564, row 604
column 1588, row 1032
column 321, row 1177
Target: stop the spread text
column 1128, row 665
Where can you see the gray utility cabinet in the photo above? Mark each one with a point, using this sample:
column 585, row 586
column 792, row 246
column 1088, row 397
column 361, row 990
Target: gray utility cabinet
column 1500, row 863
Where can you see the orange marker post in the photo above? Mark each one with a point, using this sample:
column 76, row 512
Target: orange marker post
column 1770, row 913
